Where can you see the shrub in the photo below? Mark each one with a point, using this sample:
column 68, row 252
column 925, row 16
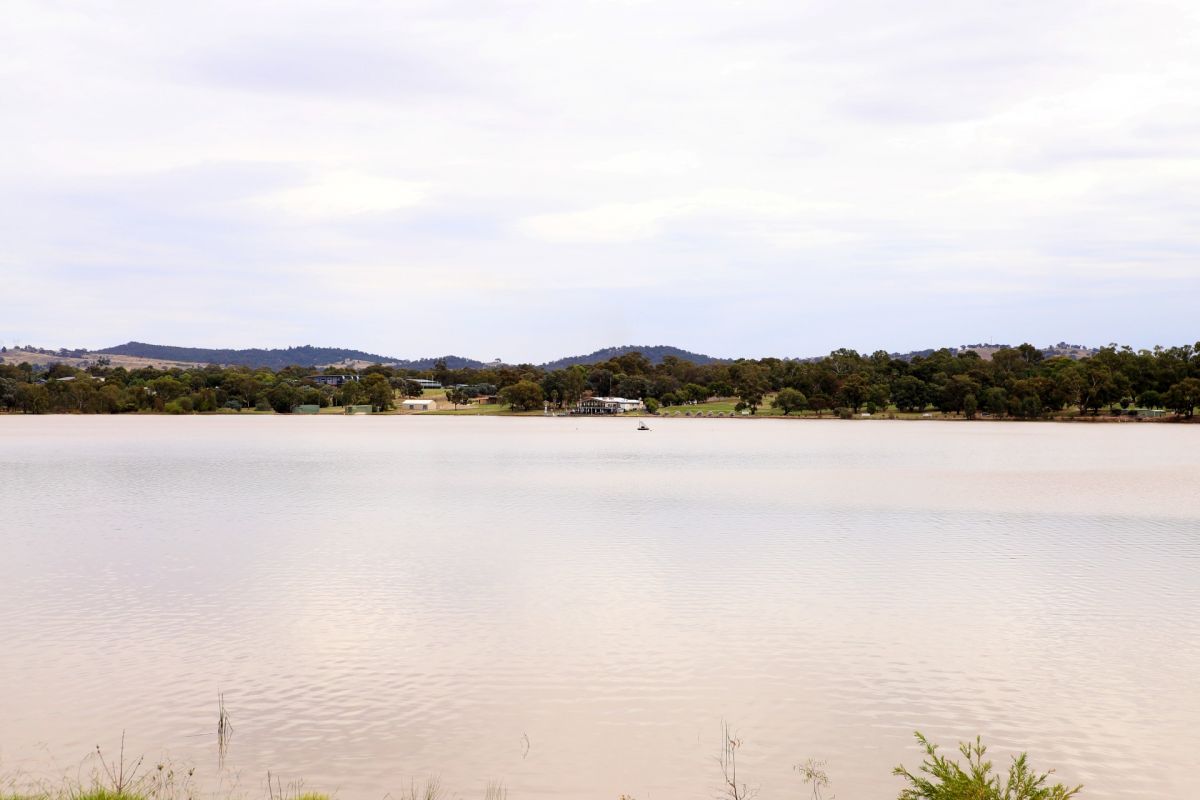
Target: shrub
column 944, row 779
column 182, row 405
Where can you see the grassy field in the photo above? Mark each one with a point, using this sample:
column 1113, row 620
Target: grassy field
column 478, row 410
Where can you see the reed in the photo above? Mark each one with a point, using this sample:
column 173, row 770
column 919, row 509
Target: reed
column 224, row 730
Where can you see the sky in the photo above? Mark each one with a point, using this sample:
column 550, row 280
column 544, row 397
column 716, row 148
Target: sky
column 526, row 180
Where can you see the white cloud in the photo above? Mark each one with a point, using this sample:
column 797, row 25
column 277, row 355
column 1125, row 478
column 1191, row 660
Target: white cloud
column 626, row 222
column 339, row 193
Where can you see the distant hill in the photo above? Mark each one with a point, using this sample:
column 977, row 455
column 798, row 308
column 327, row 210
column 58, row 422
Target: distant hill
column 305, row 356
column 987, row 350
column 309, row 356
column 452, row 362
column 82, row 359
column 653, row 353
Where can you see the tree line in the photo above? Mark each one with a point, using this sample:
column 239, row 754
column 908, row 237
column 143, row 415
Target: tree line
column 1015, row 382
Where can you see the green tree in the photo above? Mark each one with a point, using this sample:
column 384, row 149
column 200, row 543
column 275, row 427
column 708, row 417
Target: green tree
column 941, row 778
column 522, row 396
column 440, row 373
column 751, row 386
column 631, row 386
column 1096, row 386
column 878, row 396
column 167, row 388
column 601, row 380
column 573, row 383
column 910, row 393
column 8, row 393
column 352, row 393
column 283, row 398
column 32, row 398
column 379, row 392
column 954, row 393
column 1183, row 397
column 970, row 406
column 789, row 400
column 819, row 402
column 1030, row 407
column 1150, row 399
column 995, row 400
column 854, row 391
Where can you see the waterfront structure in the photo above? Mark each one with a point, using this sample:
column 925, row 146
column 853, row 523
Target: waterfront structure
column 607, row 405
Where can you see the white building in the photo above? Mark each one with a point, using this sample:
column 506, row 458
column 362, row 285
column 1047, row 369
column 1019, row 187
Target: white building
column 608, row 405
column 417, row 404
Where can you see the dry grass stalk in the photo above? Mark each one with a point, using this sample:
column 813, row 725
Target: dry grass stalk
column 120, row 780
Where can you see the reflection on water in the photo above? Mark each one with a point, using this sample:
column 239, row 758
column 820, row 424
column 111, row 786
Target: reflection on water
column 573, row 607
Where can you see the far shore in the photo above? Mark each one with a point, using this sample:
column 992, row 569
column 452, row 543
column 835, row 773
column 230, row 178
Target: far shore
column 670, row 413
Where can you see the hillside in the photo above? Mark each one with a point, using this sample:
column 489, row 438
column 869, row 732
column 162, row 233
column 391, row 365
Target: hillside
column 135, row 355
column 304, row 356
column 82, row 359
column 654, row 353
column 1073, row 351
column 987, row 350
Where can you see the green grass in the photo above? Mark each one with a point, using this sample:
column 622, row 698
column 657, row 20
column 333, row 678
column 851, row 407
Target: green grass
column 474, row 409
column 724, row 406
column 73, row 793
column 103, row 793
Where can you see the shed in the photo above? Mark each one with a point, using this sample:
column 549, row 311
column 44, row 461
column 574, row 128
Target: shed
column 418, row 404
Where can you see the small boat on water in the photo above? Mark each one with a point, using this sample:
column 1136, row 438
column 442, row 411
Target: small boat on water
column 643, row 426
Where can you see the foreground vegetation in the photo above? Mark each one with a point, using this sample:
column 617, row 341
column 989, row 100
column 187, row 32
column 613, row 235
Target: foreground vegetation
column 938, row 778
column 1016, row 382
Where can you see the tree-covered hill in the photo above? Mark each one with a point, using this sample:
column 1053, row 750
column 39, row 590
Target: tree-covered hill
column 309, row 356
column 655, row 354
column 278, row 358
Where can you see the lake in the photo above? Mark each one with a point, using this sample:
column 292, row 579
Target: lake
column 572, row 607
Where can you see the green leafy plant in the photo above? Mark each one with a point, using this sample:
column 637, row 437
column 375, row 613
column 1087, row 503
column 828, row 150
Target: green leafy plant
column 941, row 778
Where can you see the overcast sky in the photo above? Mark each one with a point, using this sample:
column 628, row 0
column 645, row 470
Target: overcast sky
column 526, row 180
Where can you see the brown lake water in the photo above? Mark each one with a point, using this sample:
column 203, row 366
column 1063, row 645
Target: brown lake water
column 572, row 607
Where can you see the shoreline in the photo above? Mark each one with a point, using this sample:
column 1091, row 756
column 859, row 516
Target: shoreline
column 881, row 417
